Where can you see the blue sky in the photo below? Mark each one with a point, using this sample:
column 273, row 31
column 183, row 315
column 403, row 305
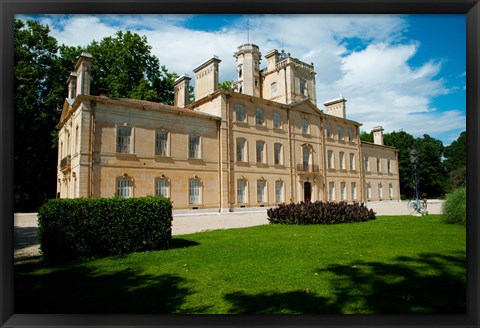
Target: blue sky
column 403, row 72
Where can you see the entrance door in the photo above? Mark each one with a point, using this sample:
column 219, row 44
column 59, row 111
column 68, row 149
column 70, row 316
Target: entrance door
column 307, row 191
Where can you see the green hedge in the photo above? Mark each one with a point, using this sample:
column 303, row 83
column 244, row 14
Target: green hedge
column 93, row 227
column 320, row 213
column 455, row 206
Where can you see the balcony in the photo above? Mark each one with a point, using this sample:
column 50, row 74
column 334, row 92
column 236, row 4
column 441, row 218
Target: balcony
column 307, row 168
column 65, row 164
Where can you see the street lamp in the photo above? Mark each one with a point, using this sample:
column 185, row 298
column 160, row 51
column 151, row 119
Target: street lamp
column 417, row 206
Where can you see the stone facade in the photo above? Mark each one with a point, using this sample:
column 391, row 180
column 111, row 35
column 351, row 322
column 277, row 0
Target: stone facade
column 229, row 150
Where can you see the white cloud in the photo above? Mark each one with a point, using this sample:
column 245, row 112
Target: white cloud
column 364, row 58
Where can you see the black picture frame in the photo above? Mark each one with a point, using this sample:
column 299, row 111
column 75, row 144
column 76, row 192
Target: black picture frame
column 10, row 8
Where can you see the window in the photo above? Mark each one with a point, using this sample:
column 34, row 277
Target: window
column 194, row 191
column 273, row 89
column 341, row 159
column 279, row 191
column 369, row 191
column 306, row 156
column 389, row 166
column 354, row 190
column 303, row 87
column 379, row 167
column 350, row 135
column 239, row 71
column 124, row 186
column 239, row 113
column 380, row 191
column 390, row 191
column 161, row 187
column 259, row 118
column 260, row 152
column 276, row 121
column 342, row 191
column 331, row 191
column 241, row 150
column 261, row 191
column 123, row 140
column 367, row 166
column 340, row 133
column 328, row 128
column 352, row 161
column 161, row 143
column 330, row 159
column 241, row 194
column 305, row 126
column 277, row 155
column 193, row 147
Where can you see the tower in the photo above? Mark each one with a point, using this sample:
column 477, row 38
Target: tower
column 248, row 58
column 83, row 67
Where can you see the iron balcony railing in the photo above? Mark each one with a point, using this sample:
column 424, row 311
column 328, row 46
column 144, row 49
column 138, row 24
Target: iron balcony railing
column 65, row 164
column 307, row 168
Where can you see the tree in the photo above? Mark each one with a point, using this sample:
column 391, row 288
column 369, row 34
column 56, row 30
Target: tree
column 403, row 141
column 125, row 66
column 225, row 85
column 365, row 136
column 431, row 169
column 37, row 105
column 456, row 161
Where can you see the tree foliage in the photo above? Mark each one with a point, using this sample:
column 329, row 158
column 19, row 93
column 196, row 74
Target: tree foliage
column 432, row 169
column 37, row 104
column 125, row 67
column 456, row 161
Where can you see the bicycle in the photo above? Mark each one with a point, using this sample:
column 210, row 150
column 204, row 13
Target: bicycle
column 417, row 206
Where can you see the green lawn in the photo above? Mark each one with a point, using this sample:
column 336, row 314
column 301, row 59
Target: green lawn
column 389, row 265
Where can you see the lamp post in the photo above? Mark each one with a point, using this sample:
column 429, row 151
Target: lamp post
column 413, row 159
column 416, row 206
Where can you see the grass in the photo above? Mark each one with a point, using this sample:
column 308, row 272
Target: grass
column 389, row 265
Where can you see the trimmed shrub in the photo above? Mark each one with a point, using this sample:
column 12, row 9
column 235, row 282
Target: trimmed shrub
column 93, row 227
column 455, row 206
column 320, row 213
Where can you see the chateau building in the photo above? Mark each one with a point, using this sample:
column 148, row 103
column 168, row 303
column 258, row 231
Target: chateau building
column 262, row 143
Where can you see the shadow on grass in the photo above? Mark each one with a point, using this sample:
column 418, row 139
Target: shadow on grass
column 429, row 283
column 182, row 243
column 81, row 290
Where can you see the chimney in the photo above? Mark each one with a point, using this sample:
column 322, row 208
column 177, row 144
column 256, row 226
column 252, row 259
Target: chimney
column 83, row 67
column 180, row 86
column 206, row 78
column 72, row 85
column 378, row 135
column 336, row 107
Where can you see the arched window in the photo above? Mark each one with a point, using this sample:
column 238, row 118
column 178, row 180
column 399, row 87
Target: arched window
column 260, row 152
column 305, row 127
column 277, row 154
column 241, row 150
